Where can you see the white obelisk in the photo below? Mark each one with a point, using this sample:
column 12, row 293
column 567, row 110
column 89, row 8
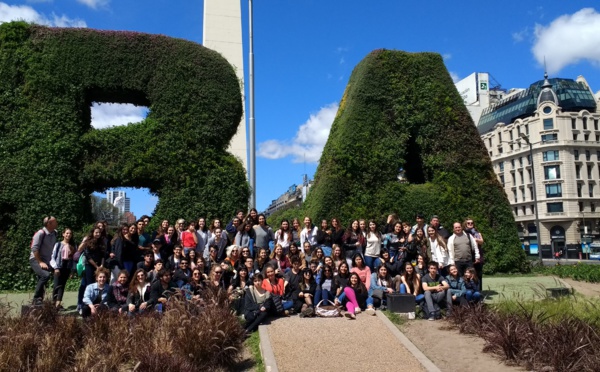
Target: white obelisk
column 223, row 33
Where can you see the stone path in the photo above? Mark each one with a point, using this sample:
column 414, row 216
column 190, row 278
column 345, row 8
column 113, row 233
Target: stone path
column 338, row 344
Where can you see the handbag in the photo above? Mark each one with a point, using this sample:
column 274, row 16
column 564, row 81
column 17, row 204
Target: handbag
column 327, row 311
column 278, row 303
column 377, row 293
column 81, row 264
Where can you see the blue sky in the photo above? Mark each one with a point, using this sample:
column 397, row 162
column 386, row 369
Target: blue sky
column 305, row 51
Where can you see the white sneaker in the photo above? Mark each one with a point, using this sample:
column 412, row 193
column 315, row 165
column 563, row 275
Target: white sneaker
column 370, row 311
column 357, row 310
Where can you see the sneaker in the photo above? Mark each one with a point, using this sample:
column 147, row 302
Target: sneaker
column 37, row 302
column 357, row 310
column 350, row 316
column 308, row 311
column 431, row 319
column 370, row 311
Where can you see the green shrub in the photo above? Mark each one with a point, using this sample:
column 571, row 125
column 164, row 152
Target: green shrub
column 579, row 271
column 51, row 160
column 401, row 110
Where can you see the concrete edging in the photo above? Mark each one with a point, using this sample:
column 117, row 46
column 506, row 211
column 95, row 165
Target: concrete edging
column 425, row 362
column 266, row 350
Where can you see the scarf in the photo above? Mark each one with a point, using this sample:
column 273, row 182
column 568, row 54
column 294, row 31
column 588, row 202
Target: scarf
column 120, row 293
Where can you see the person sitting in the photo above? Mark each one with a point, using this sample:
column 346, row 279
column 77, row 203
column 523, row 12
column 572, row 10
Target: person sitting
column 356, row 297
column 193, row 288
column 276, row 287
column 295, row 252
column 279, row 260
column 173, row 263
column 261, row 261
column 148, row 263
column 138, row 300
column 472, row 288
column 116, row 299
column 257, row 302
column 456, row 291
column 363, row 271
column 324, row 289
column 183, row 274
column 161, row 291
column 94, row 298
column 411, row 282
column 153, row 275
column 303, row 299
column 381, row 285
column 434, row 286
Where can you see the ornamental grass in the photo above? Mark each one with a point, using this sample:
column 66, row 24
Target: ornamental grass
column 186, row 337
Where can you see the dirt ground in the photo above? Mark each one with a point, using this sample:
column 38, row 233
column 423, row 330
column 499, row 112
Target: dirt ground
column 451, row 351
column 584, row 288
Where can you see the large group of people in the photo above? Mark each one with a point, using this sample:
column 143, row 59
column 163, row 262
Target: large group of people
column 264, row 271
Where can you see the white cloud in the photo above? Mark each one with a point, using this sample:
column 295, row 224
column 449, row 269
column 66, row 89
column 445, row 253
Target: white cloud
column 26, row 13
column 94, row 4
column 454, row 76
column 569, row 39
column 446, row 56
column 309, row 140
column 342, row 61
column 519, row 36
column 342, row 49
column 114, row 114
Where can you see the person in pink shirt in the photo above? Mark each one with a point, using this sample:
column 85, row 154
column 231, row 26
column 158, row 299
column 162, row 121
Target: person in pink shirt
column 363, row 271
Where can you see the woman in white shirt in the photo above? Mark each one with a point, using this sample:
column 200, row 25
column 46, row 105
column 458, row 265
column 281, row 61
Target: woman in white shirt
column 438, row 249
column 283, row 236
column 373, row 248
column 309, row 233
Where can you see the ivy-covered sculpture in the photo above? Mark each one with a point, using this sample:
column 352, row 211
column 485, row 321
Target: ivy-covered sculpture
column 402, row 110
column 51, row 159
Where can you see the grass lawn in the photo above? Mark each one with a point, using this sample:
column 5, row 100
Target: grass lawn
column 16, row 299
column 496, row 289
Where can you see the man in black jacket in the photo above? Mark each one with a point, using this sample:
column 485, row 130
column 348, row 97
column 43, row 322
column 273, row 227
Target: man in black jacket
column 161, row 290
column 183, row 274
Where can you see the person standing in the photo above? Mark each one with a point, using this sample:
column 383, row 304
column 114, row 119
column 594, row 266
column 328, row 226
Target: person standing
column 469, row 227
column 62, row 263
column 463, row 249
column 42, row 245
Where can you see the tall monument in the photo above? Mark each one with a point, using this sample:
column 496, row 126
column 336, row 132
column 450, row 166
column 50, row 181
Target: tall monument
column 223, row 33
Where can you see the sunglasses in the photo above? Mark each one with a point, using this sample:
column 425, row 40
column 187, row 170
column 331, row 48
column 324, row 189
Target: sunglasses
column 218, row 272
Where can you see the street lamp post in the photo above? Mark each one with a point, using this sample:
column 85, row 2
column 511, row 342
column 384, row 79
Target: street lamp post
column 251, row 124
column 535, row 202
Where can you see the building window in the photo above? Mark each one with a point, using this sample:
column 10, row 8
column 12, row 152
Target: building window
column 521, row 162
column 528, row 159
column 595, row 124
column 500, row 150
column 510, row 134
column 527, row 129
column 501, row 166
column 512, row 163
column 578, row 171
column 502, row 179
column 529, row 174
column 518, row 130
column 597, row 137
column 575, row 135
column 586, row 137
column 523, row 210
column 515, row 196
column 551, row 155
column 514, row 181
column 591, row 190
column 589, row 171
column 593, row 207
column 532, row 207
column 548, row 124
column 523, row 196
column 521, row 177
column 499, row 137
column 576, row 153
column 491, row 154
column 579, row 190
column 516, row 211
column 580, row 206
column 552, row 172
column 555, row 207
column 584, row 123
column 554, row 190
column 531, row 193
column 490, row 142
column 549, row 137
column 588, row 155
column 573, row 123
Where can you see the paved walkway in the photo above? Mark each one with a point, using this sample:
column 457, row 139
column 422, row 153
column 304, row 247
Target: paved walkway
column 338, row 344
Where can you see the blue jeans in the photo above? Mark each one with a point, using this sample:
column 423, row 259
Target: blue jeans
column 372, row 262
column 287, row 305
column 473, row 296
column 418, row 298
column 323, row 294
